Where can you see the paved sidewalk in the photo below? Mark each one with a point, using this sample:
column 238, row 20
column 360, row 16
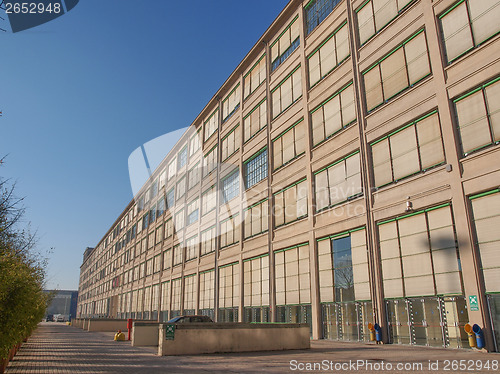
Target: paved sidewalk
column 57, row 348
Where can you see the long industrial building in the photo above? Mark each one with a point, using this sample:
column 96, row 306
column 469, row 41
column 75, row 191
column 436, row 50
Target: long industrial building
column 345, row 173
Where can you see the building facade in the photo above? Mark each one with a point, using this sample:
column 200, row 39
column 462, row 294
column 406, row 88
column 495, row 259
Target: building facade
column 344, row 173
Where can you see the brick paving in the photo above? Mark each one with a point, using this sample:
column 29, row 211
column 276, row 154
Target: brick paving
column 56, row 348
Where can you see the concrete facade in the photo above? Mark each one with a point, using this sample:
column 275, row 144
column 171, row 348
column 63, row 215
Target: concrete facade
column 365, row 135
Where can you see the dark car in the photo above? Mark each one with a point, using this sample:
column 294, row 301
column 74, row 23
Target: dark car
column 49, row 318
column 190, row 319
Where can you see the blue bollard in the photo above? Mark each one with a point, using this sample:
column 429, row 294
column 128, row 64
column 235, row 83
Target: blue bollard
column 378, row 332
column 479, row 336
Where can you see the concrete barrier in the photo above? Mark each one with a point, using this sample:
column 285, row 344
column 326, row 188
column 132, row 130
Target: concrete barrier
column 105, row 324
column 85, row 324
column 145, row 334
column 196, row 338
column 77, row 322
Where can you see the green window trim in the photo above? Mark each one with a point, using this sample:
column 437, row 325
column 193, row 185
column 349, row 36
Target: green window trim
column 489, row 83
column 189, row 276
column 230, row 132
column 341, row 234
column 290, row 186
column 208, row 229
column 482, row 194
column 227, row 265
column 207, row 190
column 290, row 128
column 210, row 151
column 283, row 32
column 254, row 108
column 414, row 213
column 206, row 271
column 284, row 79
column 260, row 151
column 256, row 257
column 336, row 162
column 292, row 247
column 327, row 39
column 331, row 98
column 230, row 93
column 254, row 205
column 254, row 65
column 230, row 218
column 211, row 115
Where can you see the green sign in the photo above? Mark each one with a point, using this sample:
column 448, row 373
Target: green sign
column 473, row 303
column 169, row 332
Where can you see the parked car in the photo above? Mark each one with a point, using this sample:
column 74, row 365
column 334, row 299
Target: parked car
column 190, row 319
column 49, row 318
column 58, row 318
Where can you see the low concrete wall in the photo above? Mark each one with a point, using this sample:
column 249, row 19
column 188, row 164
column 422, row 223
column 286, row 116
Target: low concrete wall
column 196, row 338
column 106, row 324
column 85, row 324
column 145, row 334
column 78, row 322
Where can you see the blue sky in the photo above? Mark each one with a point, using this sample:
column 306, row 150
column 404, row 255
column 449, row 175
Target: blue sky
column 80, row 93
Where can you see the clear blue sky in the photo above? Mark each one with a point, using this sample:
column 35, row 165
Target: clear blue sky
column 80, row 93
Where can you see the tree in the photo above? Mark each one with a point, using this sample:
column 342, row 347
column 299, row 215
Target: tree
column 22, row 273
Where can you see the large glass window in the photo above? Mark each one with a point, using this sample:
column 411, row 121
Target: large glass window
column 180, row 220
column 256, row 120
column 374, row 15
column 211, row 124
column 419, row 254
column 333, row 115
column 256, row 219
column 171, row 198
column 255, row 76
column 210, row 161
column 229, row 231
column 194, row 176
column 194, row 142
column 317, row 11
column 256, row 289
column 288, row 91
column 478, row 116
column 176, row 297
column 330, row 54
column 231, row 103
column 165, row 300
column 416, row 147
column 404, row 67
column 207, row 293
column 181, row 188
column 208, row 240
column 231, row 186
column 338, row 182
column 467, row 24
column 256, row 168
column 193, row 210
column 285, row 44
column 182, row 157
column 208, row 200
column 169, row 228
column 290, row 204
column 167, row 259
column 289, row 145
column 192, row 248
column 229, row 292
column 231, row 142
column 177, row 255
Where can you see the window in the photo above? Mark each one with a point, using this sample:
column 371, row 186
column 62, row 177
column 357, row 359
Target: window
column 161, row 181
column 160, row 206
column 194, row 176
column 255, row 76
column 467, row 24
column 478, row 116
column 169, row 228
column 149, row 266
column 190, row 292
column 333, row 115
column 486, row 222
column 176, row 296
column 211, row 124
column 182, row 157
column 193, row 211
column 210, row 161
column 229, row 231
column 165, row 297
column 291, row 267
column 208, row 240
column 209, row 200
column 416, row 147
column 145, row 221
column 330, row 54
column 231, row 142
column 154, row 189
column 151, row 240
column 256, row 219
column 317, row 11
column 152, row 214
column 167, row 259
column 181, row 188
column 338, row 182
column 419, row 254
column 159, row 234
column 343, row 267
column 231, row 186
column 285, row 44
column 177, row 255
column 142, row 270
column 231, row 103
column 290, row 204
column 192, row 248
column 171, row 198
column 207, row 289
column 157, row 264
column 404, row 67
column 374, row 15
column 194, row 143
column 171, row 169
column 256, row 281
column 229, row 286
column 287, row 92
column 179, row 220
column 289, row 145
column 256, row 168
column 256, row 120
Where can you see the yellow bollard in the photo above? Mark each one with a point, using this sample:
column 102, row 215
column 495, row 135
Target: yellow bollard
column 372, row 332
column 119, row 336
column 472, row 336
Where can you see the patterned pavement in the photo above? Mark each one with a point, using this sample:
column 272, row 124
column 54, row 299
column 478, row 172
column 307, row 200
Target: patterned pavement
column 56, row 348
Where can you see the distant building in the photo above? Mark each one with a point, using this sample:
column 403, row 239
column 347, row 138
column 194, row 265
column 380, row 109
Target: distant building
column 63, row 302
